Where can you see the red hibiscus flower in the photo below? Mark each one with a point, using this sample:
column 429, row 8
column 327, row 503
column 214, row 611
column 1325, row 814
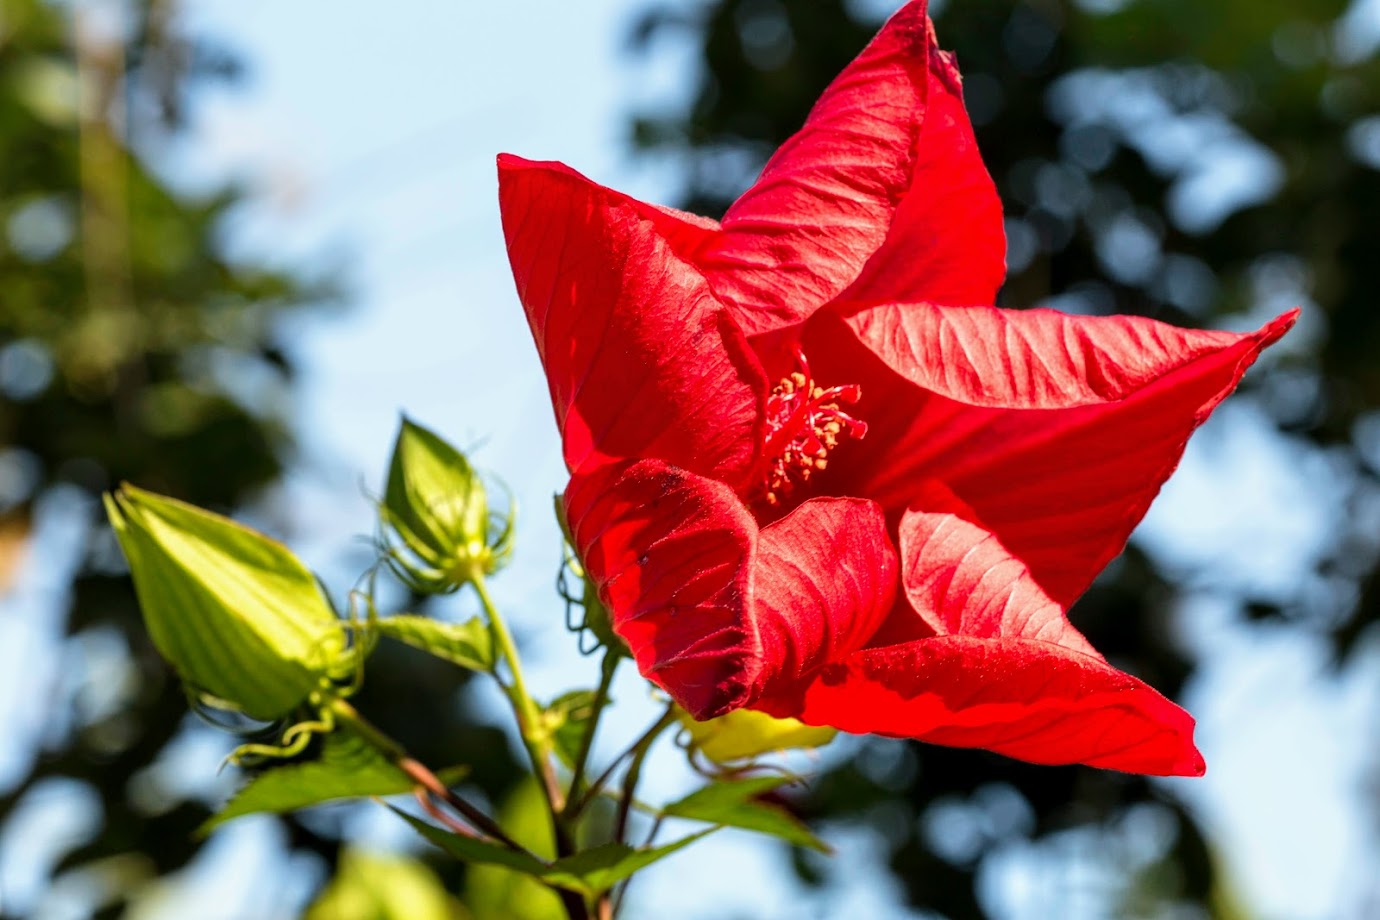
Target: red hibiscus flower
column 814, row 473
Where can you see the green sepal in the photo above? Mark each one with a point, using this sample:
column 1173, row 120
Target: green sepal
column 469, row 644
column 590, row 872
column 348, row 767
column 236, row 613
column 736, row 804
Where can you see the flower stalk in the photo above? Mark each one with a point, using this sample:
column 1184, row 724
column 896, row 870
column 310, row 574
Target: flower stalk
column 527, row 716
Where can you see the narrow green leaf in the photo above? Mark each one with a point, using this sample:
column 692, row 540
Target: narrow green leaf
column 349, row 767
column 235, row 612
column 498, row 893
column 597, row 870
column 468, row 849
column 590, row 872
column 468, row 644
column 735, row 804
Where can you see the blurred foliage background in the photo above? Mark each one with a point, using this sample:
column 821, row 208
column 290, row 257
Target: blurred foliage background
column 133, row 348
column 1198, row 162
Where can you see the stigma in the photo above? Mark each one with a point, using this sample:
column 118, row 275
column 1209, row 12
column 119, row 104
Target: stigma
column 805, row 422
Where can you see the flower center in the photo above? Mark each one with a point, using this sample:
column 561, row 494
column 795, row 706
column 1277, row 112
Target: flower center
column 804, row 423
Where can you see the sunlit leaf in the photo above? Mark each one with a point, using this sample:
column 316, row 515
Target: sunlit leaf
column 736, row 804
column 235, row 612
column 348, row 767
column 494, row 892
column 376, row 886
column 468, row 644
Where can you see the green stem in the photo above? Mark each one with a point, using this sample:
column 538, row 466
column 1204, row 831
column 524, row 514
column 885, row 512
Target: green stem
column 617, row 898
column 528, row 718
column 630, row 779
column 525, row 709
column 367, row 730
column 608, row 668
column 590, row 794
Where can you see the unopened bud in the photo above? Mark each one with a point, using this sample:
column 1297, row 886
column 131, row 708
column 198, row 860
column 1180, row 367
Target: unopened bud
column 436, row 513
column 236, row 613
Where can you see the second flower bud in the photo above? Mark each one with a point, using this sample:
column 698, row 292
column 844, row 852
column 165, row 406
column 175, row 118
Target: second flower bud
column 438, row 531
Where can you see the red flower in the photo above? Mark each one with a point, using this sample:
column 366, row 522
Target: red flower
column 806, row 484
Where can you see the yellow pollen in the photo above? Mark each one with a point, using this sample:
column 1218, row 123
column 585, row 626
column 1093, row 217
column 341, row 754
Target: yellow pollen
column 804, row 423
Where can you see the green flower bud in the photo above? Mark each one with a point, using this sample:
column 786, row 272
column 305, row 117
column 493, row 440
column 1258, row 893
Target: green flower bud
column 236, row 613
column 745, row 733
column 435, row 512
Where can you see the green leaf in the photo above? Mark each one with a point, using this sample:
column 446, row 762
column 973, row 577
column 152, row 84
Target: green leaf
column 235, row 612
column 735, row 804
column 745, row 733
column 595, row 871
column 468, row 644
column 375, row 886
column 468, row 849
column 567, row 721
column 434, row 498
column 349, row 767
column 498, row 893
column 590, row 872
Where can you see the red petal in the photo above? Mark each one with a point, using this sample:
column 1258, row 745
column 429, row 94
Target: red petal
column 1057, row 430
column 641, row 360
column 947, row 243
column 960, row 580
column 714, row 612
column 671, row 552
column 823, row 581
column 824, row 201
column 1004, row 671
column 1023, row 698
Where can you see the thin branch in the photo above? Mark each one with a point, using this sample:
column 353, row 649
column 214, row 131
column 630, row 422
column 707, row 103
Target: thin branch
column 597, row 786
column 634, row 774
column 601, row 697
column 424, row 778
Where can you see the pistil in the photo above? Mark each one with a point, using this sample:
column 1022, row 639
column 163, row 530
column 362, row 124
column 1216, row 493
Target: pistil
column 804, row 423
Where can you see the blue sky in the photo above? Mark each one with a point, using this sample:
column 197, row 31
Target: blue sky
column 369, row 142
